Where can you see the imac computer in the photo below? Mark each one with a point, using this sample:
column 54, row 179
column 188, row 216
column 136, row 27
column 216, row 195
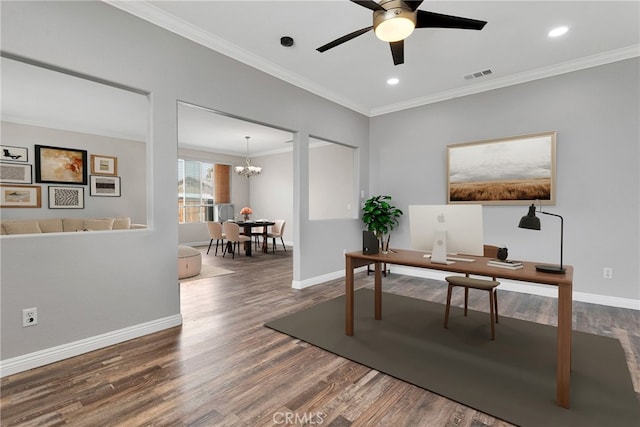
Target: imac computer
column 446, row 231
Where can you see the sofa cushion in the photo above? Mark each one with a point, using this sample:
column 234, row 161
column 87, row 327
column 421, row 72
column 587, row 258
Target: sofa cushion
column 123, row 223
column 72, row 224
column 52, row 225
column 98, row 224
column 29, row 226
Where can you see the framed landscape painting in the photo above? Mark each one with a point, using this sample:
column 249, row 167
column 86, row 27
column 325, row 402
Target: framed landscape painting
column 58, row 165
column 516, row 170
column 20, row 196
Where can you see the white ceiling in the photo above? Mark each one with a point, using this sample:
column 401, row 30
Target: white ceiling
column 513, row 44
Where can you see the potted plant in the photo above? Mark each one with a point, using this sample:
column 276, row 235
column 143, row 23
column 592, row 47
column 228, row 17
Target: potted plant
column 380, row 216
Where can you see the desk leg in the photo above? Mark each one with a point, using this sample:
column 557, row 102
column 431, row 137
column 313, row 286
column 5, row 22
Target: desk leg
column 565, row 320
column 348, row 286
column 378, row 291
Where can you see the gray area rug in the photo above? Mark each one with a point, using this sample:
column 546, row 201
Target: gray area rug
column 512, row 378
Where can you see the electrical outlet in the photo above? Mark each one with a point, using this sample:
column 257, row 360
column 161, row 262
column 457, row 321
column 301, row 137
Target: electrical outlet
column 29, row 317
column 607, row 273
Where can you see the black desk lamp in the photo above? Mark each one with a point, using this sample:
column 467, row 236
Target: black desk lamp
column 532, row 222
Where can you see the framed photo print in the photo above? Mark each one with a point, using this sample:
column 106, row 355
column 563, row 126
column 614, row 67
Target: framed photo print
column 20, row 196
column 104, row 165
column 58, row 165
column 509, row 171
column 66, row 197
column 9, row 153
column 15, row 173
column 104, row 186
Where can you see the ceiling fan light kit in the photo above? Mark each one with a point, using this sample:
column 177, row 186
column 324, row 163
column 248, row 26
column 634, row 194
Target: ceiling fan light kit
column 395, row 20
column 395, row 23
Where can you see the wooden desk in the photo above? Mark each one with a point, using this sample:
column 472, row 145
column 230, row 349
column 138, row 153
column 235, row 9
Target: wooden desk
column 564, row 283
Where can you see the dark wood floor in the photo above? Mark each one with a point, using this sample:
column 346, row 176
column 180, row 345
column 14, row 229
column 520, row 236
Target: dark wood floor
column 222, row 367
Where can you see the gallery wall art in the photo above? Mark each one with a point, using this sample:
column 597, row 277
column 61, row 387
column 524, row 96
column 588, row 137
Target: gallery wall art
column 57, row 165
column 514, row 170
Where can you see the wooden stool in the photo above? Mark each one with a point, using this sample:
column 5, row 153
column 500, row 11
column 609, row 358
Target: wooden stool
column 467, row 282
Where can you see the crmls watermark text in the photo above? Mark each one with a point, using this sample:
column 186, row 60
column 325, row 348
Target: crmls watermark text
column 295, row 418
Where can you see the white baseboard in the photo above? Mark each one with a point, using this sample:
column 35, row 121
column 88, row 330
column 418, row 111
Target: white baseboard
column 540, row 290
column 61, row 352
column 297, row 284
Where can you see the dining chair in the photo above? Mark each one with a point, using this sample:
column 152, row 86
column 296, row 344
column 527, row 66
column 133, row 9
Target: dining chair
column 277, row 230
column 232, row 232
column 483, row 284
column 215, row 233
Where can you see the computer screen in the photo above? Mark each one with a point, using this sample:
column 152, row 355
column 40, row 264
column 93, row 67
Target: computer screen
column 461, row 225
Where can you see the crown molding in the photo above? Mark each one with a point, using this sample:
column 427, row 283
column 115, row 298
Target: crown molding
column 165, row 20
column 159, row 17
column 514, row 79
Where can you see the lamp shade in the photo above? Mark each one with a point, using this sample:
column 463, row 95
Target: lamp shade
column 395, row 23
column 530, row 221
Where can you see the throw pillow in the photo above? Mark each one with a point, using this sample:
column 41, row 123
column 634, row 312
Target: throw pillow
column 98, row 224
column 22, row 227
column 53, row 225
column 123, row 223
column 72, row 224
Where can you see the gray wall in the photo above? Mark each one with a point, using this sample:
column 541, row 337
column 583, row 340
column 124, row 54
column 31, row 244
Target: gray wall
column 90, row 284
column 595, row 112
column 131, row 170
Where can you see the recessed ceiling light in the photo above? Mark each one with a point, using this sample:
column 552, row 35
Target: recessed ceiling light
column 393, row 81
column 557, row 32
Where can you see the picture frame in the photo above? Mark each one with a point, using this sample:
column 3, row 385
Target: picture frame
column 20, row 196
column 104, row 186
column 57, row 165
column 104, row 165
column 10, row 153
column 517, row 170
column 62, row 197
column 16, row 173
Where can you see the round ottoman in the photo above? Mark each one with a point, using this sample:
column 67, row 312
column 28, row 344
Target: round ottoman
column 189, row 262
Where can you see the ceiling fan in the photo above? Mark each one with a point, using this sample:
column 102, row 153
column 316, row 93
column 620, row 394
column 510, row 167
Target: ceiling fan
column 395, row 20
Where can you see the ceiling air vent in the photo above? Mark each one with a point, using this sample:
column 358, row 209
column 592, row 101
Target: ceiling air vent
column 478, row 74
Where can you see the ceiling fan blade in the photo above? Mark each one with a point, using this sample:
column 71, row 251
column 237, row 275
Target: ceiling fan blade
column 370, row 4
column 413, row 4
column 397, row 51
column 343, row 39
column 437, row 20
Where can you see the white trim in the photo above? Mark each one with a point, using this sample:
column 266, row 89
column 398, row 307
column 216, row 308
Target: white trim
column 178, row 26
column 514, row 79
column 165, row 20
column 297, row 284
column 54, row 354
column 525, row 288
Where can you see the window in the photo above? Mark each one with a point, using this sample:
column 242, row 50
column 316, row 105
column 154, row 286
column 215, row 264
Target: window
column 195, row 191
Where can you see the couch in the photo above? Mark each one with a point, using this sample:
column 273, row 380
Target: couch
column 59, row 225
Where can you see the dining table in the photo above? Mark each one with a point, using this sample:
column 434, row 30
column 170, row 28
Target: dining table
column 248, row 227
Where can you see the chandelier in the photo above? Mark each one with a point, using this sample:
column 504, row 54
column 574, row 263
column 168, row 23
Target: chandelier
column 249, row 169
